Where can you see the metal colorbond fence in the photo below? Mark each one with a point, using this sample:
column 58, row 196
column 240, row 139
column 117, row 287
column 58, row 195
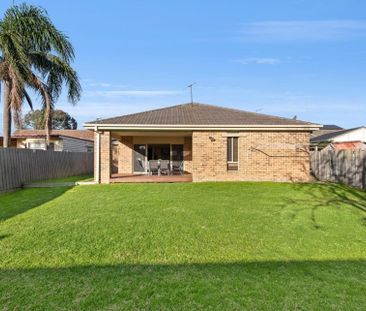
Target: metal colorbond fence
column 18, row 166
column 343, row 166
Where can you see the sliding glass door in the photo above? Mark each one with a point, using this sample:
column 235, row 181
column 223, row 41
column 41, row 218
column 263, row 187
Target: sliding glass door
column 158, row 152
column 139, row 158
column 144, row 153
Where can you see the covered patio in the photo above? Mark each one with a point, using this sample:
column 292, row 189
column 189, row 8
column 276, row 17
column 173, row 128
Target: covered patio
column 146, row 156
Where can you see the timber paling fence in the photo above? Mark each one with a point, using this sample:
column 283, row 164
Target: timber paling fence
column 342, row 166
column 19, row 166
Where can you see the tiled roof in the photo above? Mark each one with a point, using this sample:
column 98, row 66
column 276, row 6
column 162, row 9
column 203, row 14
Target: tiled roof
column 198, row 114
column 331, row 127
column 78, row 134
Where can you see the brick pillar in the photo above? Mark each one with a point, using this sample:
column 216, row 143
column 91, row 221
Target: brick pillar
column 105, row 157
column 187, row 154
column 125, row 155
column 96, row 158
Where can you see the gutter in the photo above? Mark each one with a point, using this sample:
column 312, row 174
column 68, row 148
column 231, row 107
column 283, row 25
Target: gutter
column 139, row 127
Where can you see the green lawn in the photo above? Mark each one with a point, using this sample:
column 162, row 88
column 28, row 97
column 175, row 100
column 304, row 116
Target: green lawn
column 209, row 246
column 66, row 179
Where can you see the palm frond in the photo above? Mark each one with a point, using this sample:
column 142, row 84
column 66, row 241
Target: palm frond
column 28, row 99
column 58, row 72
column 42, row 34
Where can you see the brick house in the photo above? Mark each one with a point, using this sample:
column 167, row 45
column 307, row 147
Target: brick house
column 207, row 143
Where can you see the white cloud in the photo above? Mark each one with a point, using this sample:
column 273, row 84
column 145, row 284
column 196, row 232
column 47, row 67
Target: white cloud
column 99, row 84
column 103, row 109
column 313, row 30
column 132, row 93
column 258, row 61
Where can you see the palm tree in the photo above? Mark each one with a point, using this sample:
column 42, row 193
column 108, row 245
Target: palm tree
column 34, row 54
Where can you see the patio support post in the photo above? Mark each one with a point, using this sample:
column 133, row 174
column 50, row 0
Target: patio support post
column 96, row 155
column 105, row 157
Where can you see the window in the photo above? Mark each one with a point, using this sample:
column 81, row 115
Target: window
column 232, row 154
column 37, row 144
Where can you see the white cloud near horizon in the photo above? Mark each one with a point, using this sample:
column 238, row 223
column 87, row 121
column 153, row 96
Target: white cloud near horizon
column 131, row 93
column 99, row 84
column 258, row 61
column 307, row 30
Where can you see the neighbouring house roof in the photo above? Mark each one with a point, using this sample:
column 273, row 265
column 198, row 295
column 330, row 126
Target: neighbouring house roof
column 349, row 145
column 330, row 136
column 332, row 127
column 77, row 134
column 326, row 129
column 197, row 115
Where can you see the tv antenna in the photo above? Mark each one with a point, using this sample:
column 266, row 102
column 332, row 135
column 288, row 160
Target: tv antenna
column 191, row 87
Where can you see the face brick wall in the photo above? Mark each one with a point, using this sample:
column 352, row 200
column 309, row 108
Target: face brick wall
column 125, row 154
column 263, row 156
column 187, row 154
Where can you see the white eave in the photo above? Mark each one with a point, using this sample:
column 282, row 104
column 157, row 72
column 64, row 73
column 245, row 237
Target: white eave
column 192, row 127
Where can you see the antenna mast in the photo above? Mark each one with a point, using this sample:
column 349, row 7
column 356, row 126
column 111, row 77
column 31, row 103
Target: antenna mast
column 191, row 87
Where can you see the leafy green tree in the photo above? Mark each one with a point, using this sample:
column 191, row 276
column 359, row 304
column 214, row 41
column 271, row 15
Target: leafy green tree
column 33, row 54
column 61, row 120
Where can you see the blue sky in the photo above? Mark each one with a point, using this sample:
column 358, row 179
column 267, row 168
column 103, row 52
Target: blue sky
column 285, row 57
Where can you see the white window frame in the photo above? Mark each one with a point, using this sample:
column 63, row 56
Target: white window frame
column 232, row 149
column 231, row 138
column 42, row 141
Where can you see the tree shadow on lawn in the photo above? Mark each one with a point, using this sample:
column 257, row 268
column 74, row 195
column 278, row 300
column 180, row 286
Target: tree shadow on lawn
column 297, row 285
column 18, row 202
column 325, row 195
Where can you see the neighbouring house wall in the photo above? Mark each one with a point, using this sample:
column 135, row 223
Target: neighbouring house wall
column 23, row 142
column 76, row 145
column 105, row 157
column 63, row 143
column 263, row 156
column 357, row 135
column 13, row 142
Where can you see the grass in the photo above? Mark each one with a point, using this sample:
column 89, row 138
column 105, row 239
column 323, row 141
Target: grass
column 210, row 246
column 66, row 179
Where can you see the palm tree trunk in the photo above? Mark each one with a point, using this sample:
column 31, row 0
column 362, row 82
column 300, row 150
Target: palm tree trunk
column 7, row 116
column 47, row 128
